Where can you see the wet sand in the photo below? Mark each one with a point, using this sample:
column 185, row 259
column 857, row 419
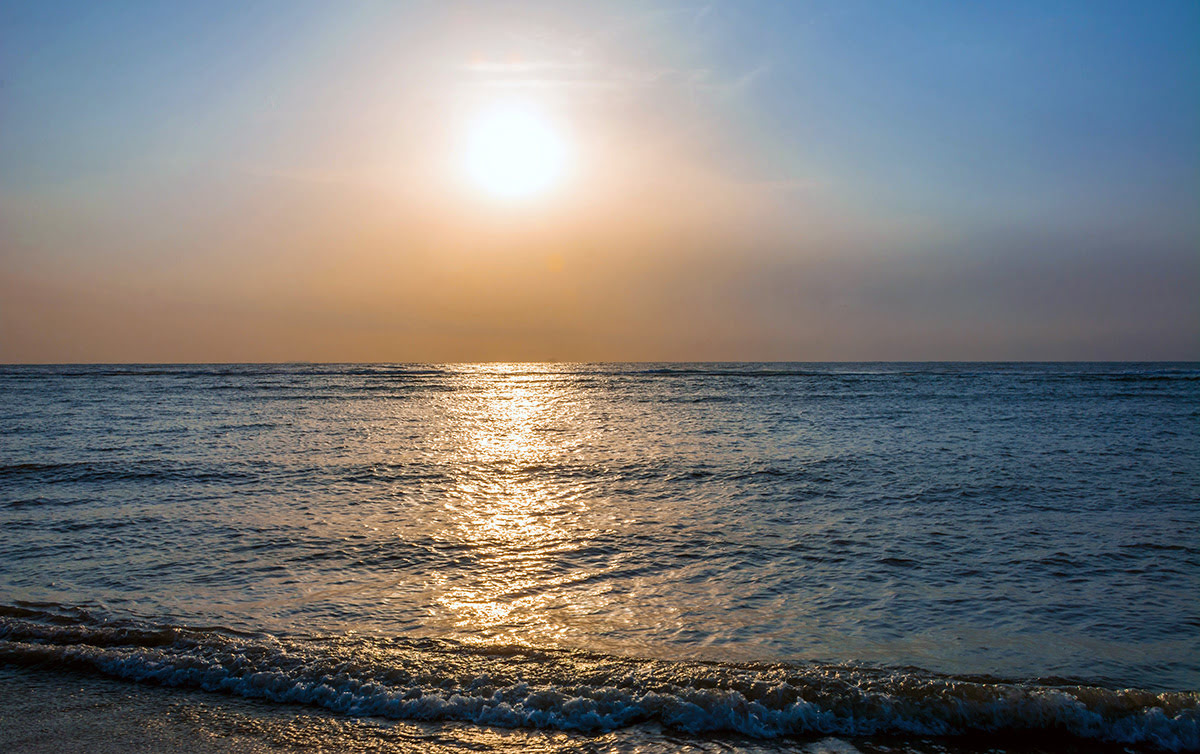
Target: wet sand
column 54, row 713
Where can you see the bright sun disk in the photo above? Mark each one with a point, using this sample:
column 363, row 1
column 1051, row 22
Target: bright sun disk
column 514, row 152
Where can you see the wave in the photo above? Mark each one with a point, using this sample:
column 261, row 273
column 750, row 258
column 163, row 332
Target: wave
column 514, row 686
column 152, row 469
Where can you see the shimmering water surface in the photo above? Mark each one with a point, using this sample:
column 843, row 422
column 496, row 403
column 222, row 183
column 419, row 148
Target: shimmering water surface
column 769, row 551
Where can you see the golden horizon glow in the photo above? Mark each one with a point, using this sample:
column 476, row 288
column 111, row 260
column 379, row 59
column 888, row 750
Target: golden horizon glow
column 513, row 151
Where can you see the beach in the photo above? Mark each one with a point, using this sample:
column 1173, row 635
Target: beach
column 614, row 376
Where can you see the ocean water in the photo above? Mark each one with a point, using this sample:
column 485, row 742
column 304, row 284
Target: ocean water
column 757, row 557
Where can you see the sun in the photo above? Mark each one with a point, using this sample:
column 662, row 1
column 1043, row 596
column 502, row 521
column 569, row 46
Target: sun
column 514, row 151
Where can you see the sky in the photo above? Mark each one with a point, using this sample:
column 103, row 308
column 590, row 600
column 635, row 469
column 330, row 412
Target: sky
column 741, row 181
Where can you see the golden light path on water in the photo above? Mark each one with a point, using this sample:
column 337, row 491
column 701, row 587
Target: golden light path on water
column 539, row 526
column 482, row 508
column 508, row 425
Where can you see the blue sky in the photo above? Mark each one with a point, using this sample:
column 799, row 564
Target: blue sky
column 792, row 180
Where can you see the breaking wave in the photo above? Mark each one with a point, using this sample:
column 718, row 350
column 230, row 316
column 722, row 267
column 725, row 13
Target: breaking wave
column 513, row 686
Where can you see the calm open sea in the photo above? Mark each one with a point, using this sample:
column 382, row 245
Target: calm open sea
column 914, row 557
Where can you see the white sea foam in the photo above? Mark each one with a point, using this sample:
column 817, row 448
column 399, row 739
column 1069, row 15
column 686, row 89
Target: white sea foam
column 429, row 680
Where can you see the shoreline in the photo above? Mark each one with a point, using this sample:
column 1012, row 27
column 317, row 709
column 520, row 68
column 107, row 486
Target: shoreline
column 46, row 711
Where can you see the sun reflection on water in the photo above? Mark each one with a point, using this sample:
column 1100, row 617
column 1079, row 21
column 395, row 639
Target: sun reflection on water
column 507, row 425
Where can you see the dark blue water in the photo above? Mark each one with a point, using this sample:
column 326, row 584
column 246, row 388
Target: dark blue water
column 763, row 551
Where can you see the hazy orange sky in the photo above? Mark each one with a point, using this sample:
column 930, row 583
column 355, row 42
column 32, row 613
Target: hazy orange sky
column 791, row 181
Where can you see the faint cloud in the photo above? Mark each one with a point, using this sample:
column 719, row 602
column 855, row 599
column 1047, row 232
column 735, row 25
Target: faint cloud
column 520, row 67
column 567, row 75
column 746, row 80
column 584, row 61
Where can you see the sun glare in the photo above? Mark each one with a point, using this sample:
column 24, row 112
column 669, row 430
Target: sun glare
column 513, row 152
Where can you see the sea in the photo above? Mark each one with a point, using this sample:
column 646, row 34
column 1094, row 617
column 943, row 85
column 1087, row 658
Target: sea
column 865, row 557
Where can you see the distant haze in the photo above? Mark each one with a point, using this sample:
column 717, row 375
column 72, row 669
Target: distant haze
column 777, row 181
